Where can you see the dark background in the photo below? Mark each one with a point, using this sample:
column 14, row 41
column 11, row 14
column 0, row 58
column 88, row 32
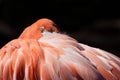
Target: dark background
column 95, row 23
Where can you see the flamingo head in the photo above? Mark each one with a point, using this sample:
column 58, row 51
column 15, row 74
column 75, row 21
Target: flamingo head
column 35, row 30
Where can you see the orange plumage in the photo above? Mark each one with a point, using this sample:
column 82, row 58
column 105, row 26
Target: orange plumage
column 42, row 53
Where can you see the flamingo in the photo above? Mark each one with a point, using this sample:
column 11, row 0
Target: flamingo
column 42, row 52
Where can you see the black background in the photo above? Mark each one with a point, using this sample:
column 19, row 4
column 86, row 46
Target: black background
column 92, row 22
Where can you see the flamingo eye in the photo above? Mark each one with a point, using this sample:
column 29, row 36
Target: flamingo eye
column 42, row 29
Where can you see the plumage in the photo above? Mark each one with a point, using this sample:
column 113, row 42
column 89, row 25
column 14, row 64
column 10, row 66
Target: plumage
column 49, row 55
